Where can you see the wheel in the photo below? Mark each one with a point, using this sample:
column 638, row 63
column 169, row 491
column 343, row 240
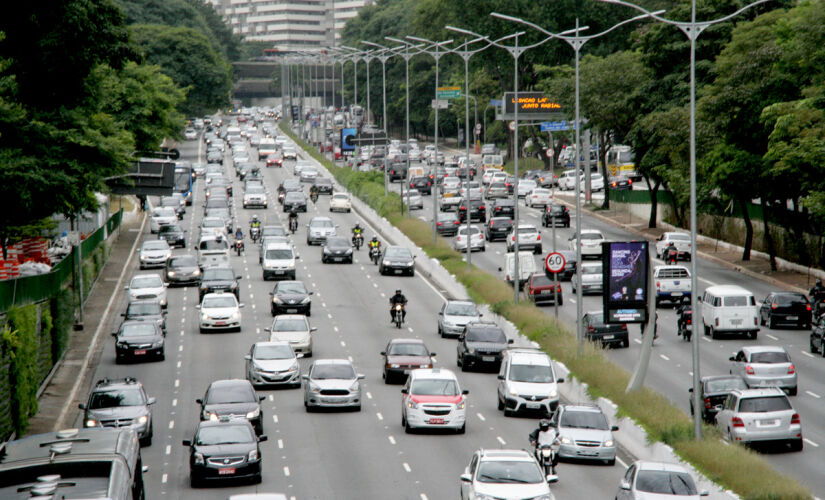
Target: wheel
column 272, row 311
column 407, row 428
column 712, row 333
column 813, row 349
column 761, row 320
column 793, row 390
column 626, row 343
column 771, row 322
column 441, row 332
column 194, row 482
column 796, row 445
column 500, row 404
column 610, row 462
column 752, row 335
column 462, row 429
column 706, row 329
column 484, row 249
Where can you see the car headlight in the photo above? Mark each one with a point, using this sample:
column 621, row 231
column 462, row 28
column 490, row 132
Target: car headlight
column 554, row 393
column 90, row 423
column 236, row 315
column 253, row 455
column 205, row 317
column 349, row 251
column 412, row 404
column 196, row 272
column 395, row 365
column 326, row 250
column 254, row 413
column 294, row 368
column 277, row 299
column 143, row 419
column 210, row 415
column 122, row 345
column 513, row 392
column 157, row 344
column 461, row 405
column 314, row 388
column 198, row 458
column 387, row 263
column 471, row 351
column 609, row 443
column 355, row 386
column 305, row 301
column 142, row 257
column 565, row 440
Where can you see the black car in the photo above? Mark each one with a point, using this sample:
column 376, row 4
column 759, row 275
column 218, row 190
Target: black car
column 447, row 223
column 174, row 235
column 481, row 344
column 397, row 171
column 324, row 185
column 478, row 211
column 396, row 260
column 139, row 340
column 233, row 398
column 423, row 184
column 146, row 310
column 336, row 249
column 503, row 207
column 596, row 330
column 224, row 449
column 291, row 297
column 570, row 265
column 295, row 200
column 557, row 215
column 182, row 270
column 620, row 182
column 786, row 308
column 218, row 279
column 714, row 391
column 497, row 228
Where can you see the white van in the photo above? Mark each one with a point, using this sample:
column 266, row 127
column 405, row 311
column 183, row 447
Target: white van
column 278, row 261
column 729, row 309
column 213, row 251
column 526, row 267
column 527, row 382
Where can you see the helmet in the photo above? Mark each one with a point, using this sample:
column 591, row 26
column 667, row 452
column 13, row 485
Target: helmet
column 357, row 224
column 544, row 424
column 375, row 238
column 254, row 217
column 398, row 292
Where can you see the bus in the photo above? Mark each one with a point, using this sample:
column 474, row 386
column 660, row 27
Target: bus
column 184, row 174
column 620, row 159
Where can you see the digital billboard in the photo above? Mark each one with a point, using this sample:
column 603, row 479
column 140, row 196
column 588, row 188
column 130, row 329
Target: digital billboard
column 347, row 135
column 530, row 103
column 625, row 280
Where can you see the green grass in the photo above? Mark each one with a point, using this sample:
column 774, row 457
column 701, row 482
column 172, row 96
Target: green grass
column 734, row 467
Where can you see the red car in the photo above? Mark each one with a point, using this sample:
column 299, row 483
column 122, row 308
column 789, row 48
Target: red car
column 275, row 160
column 540, row 289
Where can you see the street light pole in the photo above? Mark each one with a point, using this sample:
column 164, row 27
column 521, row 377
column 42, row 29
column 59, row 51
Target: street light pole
column 382, row 56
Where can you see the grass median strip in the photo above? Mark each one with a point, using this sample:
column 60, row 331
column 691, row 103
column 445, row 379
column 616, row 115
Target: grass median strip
column 734, row 467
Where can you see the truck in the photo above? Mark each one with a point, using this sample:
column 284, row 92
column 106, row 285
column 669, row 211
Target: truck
column 672, row 284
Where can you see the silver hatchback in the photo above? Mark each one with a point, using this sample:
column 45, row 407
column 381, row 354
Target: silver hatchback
column 454, row 316
column 332, row 383
column 585, row 434
column 760, row 415
column 318, row 229
column 765, row 366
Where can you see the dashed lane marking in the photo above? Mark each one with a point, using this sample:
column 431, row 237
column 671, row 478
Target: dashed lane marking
column 286, row 471
column 503, row 442
column 168, row 449
column 772, row 337
column 813, row 394
column 281, row 444
column 481, row 417
column 171, row 424
column 664, row 357
column 380, row 417
column 407, row 467
column 275, row 418
column 810, row 442
column 392, row 439
column 369, row 395
column 164, row 478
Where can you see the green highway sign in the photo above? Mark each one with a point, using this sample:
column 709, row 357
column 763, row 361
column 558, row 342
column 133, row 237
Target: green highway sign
column 449, row 92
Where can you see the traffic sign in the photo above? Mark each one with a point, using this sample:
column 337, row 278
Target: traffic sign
column 478, row 127
column 512, row 125
column 557, row 126
column 496, row 102
column 440, row 104
column 449, row 92
column 555, row 262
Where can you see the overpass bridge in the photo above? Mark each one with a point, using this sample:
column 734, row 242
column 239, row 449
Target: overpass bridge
column 262, row 79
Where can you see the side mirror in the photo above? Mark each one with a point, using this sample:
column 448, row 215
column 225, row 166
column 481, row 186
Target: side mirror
column 151, row 401
column 510, row 341
column 262, row 438
column 732, row 358
column 311, row 293
column 690, row 389
column 82, row 406
column 383, row 353
column 432, row 354
column 305, row 377
column 552, row 478
column 704, row 493
column 267, row 329
column 241, row 305
column 624, row 485
column 198, row 306
column 271, row 294
column 299, row 355
column 199, row 401
column 614, row 428
column 465, row 392
column 145, row 469
column 114, row 334
column 313, row 328
column 261, row 398
column 440, row 313
column 500, row 377
column 404, row 391
column 123, row 315
column 698, row 299
column 361, row 376
column 466, row 478
column 500, row 269
column 239, row 277
column 560, row 380
column 187, row 442
column 248, row 357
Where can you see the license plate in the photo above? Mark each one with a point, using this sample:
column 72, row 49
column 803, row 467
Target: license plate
column 769, row 383
column 533, row 406
column 676, row 294
column 609, row 337
column 587, row 453
column 338, row 259
column 436, row 420
column 488, row 359
column 292, row 311
column 736, row 322
column 398, row 271
column 792, row 318
column 227, row 471
column 279, row 272
column 220, row 323
column 141, row 351
column 767, row 423
column 546, row 292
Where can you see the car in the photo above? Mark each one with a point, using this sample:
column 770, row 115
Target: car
column 454, row 315
column 213, row 251
column 219, row 311
column 713, row 391
column 608, row 334
column 234, row 398
column 788, row 308
column 309, row 174
column 222, row 450
column 556, row 215
column 584, row 433
column 475, row 238
column 450, row 185
column 218, row 279
column 647, row 480
column 332, row 383
column 413, row 199
column 473, row 190
column 447, row 223
column 300, row 165
column 336, row 249
column 291, row 297
column 422, row 183
column 340, row 202
column 498, row 228
column 570, row 265
column 396, row 260
column 541, row 289
column 547, row 179
column 489, row 149
column 567, row 180
column 255, row 196
column 153, row 253
column 147, row 287
column 432, row 398
column 223, row 214
column 591, row 274
column 120, row 402
column 672, row 284
column 214, row 157
column 496, row 190
column 538, row 197
column 621, row 182
column 760, row 416
column 503, row 207
column 275, row 159
column 481, row 344
column 817, row 340
column 162, row 216
column 528, row 237
column 591, row 243
column 765, row 366
column 175, row 204
column 401, row 356
column 502, row 473
column 596, row 182
column 319, row 228
column 527, row 383
column 216, row 203
column 139, row 340
column 680, row 240
column 324, row 185
column 295, row 329
column 173, row 234
column 525, row 187
column 213, row 226
column 145, row 310
column 278, row 261
column 295, row 200
column 478, row 211
column 183, row 270
column 222, row 182
column 273, row 364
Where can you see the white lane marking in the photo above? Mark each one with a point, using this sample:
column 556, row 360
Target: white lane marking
column 350, row 359
column 410, row 329
column 571, row 299
column 382, row 294
column 329, row 315
column 806, row 353
column 638, row 341
column 503, row 442
column 271, row 397
column 424, row 497
column 407, row 467
column 621, row 462
column 709, row 282
column 281, row 444
column 375, row 285
column 813, row 394
column 380, row 417
column 168, row 449
column 368, row 276
column 175, row 402
column 323, row 304
column 179, row 363
column 343, row 344
column 392, row 439
column 184, row 308
column 275, row 418
column 772, row 337
column 177, row 382
column 369, row 395
column 180, row 348
column 286, row 471
column 706, row 339
column 481, row 417
column 335, row 328
column 171, row 424
column 164, row 478
column 810, row 442
column 251, row 296
column 183, row 320
column 664, row 357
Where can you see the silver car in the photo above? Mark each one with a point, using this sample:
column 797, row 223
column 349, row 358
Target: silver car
column 162, row 216
column 591, row 278
column 294, row 329
column 309, row 174
column 765, row 366
column 760, row 415
column 454, row 316
column 318, row 229
column 585, row 434
column 414, row 199
column 273, row 363
column 153, row 253
column 332, row 383
column 649, row 480
column 147, row 287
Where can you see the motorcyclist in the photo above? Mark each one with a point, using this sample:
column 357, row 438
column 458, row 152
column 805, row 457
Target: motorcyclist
column 239, row 240
column 254, row 223
column 398, row 298
column 357, row 229
column 817, row 294
column 313, row 191
column 239, row 234
column 546, row 434
column 374, row 243
column 357, row 233
column 683, row 312
column 670, row 253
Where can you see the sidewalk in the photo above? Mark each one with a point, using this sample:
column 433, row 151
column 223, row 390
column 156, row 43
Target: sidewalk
column 55, row 411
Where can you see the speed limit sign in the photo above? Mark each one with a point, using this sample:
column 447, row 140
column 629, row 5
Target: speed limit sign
column 554, row 262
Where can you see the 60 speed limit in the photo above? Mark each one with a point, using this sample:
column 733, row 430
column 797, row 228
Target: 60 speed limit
column 554, row 262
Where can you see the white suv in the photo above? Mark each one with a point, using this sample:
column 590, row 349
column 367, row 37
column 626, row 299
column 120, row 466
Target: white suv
column 527, row 382
column 505, row 474
column 591, row 243
column 528, row 237
column 432, row 398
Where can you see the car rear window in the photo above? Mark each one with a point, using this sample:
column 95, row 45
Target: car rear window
column 592, row 236
column 665, row 482
column 726, row 384
column 739, row 301
column 670, row 273
column 541, row 280
column 486, row 335
column 764, row 404
column 787, row 299
column 770, row 357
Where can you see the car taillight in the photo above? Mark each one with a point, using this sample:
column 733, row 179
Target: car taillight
column 754, row 321
column 658, row 284
column 462, row 207
column 630, row 181
column 688, row 321
column 737, row 422
column 456, row 222
column 791, row 370
column 439, row 223
column 773, row 306
column 795, row 419
column 808, row 307
column 707, row 404
column 558, row 288
column 717, row 322
column 591, row 329
column 749, row 370
column 624, row 326
column 482, row 207
column 538, row 237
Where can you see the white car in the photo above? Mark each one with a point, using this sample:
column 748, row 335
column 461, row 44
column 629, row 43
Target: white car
column 432, row 398
column 476, row 238
column 649, row 480
column 528, row 237
column 153, row 253
column 340, row 202
column 309, row 173
column 680, row 240
column 591, row 243
column 525, row 186
column 190, row 134
column 300, row 165
column 596, row 182
column 255, row 196
column 488, row 174
column 213, row 226
column 527, row 382
column 295, row 329
column 505, row 474
column 539, row 197
column 567, row 180
column 414, row 199
column 450, row 184
column 162, row 216
column 414, row 155
column 319, row 229
column 220, row 311
column 591, row 278
column 147, row 287
column 290, row 153
column 473, row 189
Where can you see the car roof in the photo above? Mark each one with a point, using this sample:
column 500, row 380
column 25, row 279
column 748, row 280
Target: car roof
column 273, row 245
column 290, row 316
column 219, row 293
column 271, row 343
column 510, row 455
column 333, row 361
column 756, row 393
column 460, row 301
column 144, row 302
column 582, row 408
column 433, row 373
column 116, row 383
column 726, row 289
column 230, row 382
column 591, row 231
column 752, row 349
column 660, row 466
column 708, row 378
column 528, row 357
column 218, row 423
column 406, row 341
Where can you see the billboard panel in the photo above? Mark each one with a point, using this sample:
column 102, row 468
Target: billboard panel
column 625, row 281
column 530, row 103
column 347, row 135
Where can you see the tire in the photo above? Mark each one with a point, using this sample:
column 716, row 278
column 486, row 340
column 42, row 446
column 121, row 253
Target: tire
column 797, row 445
column 712, row 333
column 793, row 391
column 753, row 335
column 771, row 322
column 462, row 429
column 500, row 404
column 761, row 320
column 194, row 482
column 706, row 329
column 610, row 462
column 407, row 428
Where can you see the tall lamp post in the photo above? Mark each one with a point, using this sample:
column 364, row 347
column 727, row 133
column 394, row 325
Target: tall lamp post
column 383, row 55
column 692, row 30
column 437, row 53
column 356, row 56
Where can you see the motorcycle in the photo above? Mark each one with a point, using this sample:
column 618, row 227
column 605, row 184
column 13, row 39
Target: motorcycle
column 547, row 456
column 684, row 323
column 398, row 314
column 254, row 233
column 313, row 196
column 358, row 240
column 375, row 254
column 239, row 246
column 671, row 256
column 293, row 225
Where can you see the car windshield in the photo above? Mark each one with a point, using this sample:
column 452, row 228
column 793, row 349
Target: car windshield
column 319, row 223
column 592, row 236
column 584, row 420
column 726, row 384
column 473, row 230
column 338, row 243
column 665, row 482
column 509, row 472
column 290, row 287
column 398, row 252
column 223, row 434
column 115, row 398
column 556, row 209
column 341, row 197
column 213, row 245
column 146, row 282
column 213, row 274
column 461, row 310
column 218, row 301
column 786, row 299
column 294, row 196
column 156, row 245
column 171, row 228
column 290, row 325
column 138, row 330
column 405, row 349
column 332, row 371
column 274, row 352
column 592, row 268
column 738, row 301
column 770, row 357
column 183, row 261
column 164, row 212
column 255, row 189
column 536, row 374
column 434, row 387
column 143, row 309
column 230, row 394
column 486, row 335
column 678, row 237
column 279, row 254
column 764, row 404
column 212, row 223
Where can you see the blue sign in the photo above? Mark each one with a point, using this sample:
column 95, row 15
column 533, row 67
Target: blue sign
column 557, row 126
column 347, row 135
column 496, row 102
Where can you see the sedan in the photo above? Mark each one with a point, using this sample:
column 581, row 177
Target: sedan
column 503, row 207
column 273, row 363
column 596, row 330
column 224, row 450
column 591, row 279
column 475, row 238
column 414, row 199
column 291, row 297
column 173, row 234
column 332, row 383
column 340, row 202
column 139, row 340
column 591, row 243
column 218, row 279
column 496, row 473
column 147, row 287
column 397, row 260
column 324, row 185
column 496, row 190
column 481, row 344
column 336, row 249
column 713, row 391
column 183, row 270
column 788, row 308
column 309, row 174
column 446, row 223
column 319, row 229
column 295, row 200
column 648, row 480
column 295, row 329
column 403, row 355
column 539, row 198
column 585, row 434
column 528, row 237
column 233, row 398
column 146, row 310
column 498, row 228
column 422, row 183
column 220, row 311
column 765, row 366
column 455, row 315
column 556, row 215
column 477, row 210
column 621, row 182
column 153, row 253
column 525, row 187
column 542, row 289
column 255, row 196
column 275, row 160
column 173, row 203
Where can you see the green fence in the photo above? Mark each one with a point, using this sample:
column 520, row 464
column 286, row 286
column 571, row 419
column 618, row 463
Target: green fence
column 33, row 289
column 642, row 197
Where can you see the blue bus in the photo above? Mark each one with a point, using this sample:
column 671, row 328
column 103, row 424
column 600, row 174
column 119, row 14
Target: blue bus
column 183, row 181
